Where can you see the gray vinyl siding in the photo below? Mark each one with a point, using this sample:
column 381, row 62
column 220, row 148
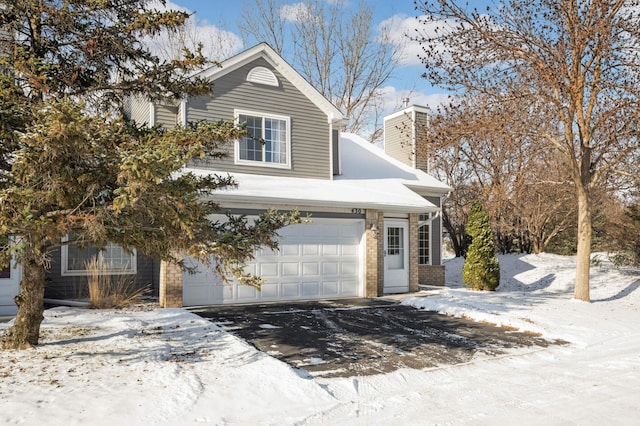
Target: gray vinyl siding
column 310, row 131
column 397, row 138
column 436, row 234
column 74, row 287
column 137, row 109
column 422, row 156
column 166, row 115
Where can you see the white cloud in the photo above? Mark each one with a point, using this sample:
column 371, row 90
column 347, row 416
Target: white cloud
column 403, row 30
column 218, row 43
column 296, row 12
column 393, row 99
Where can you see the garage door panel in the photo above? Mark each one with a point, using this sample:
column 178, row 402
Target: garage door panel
column 246, row 292
column 269, row 291
column 318, row 260
column 310, row 249
column 330, row 250
column 348, row 268
column 290, row 269
column 349, row 288
column 310, row 269
column 350, row 250
column 290, row 290
column 330, row 268
column 310, row 288
column 330, row 288
column 268, row 269
column 265, row 252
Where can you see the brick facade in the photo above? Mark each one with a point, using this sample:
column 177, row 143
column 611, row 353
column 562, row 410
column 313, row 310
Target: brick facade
column 413, row 253
column 374, row 249
column 170, row 285
column 431, row 274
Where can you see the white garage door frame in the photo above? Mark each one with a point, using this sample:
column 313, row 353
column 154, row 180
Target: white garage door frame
column 320, row 260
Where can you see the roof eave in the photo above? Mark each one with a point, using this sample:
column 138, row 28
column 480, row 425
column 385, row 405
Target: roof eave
column 305, row 204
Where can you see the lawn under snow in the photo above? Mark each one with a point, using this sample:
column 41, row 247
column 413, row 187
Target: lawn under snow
column 168, row 366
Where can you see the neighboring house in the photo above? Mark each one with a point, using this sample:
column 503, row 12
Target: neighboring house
column 375, row 219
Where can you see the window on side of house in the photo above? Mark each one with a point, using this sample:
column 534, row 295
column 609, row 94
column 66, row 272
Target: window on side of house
column 424, row 239
column 111, row 259
column 267, row 141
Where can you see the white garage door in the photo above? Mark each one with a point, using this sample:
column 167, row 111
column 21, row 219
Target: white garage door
column 319, row 260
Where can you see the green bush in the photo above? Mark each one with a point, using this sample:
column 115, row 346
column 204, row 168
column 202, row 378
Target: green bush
column 481, row 270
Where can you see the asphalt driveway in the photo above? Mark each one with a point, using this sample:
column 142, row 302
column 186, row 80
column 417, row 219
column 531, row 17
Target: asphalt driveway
column 363, row 336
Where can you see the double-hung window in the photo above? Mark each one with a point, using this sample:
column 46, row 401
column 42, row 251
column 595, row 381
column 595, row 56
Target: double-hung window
column 267, row 141
column 424, row 239
column 111, row 259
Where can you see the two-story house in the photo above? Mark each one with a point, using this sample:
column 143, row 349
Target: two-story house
column 375, row 220
column 375, row 224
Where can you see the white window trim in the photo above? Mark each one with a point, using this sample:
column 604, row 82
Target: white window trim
column 237, row 113
column 64, row 264
column 427, row 223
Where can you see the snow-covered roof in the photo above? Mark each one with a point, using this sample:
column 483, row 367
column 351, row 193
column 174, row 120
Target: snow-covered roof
column 289, row 192
column 370, row 180
column 361, row 160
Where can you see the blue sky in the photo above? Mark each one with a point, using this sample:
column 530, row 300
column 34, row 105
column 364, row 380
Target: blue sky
column 407, row 82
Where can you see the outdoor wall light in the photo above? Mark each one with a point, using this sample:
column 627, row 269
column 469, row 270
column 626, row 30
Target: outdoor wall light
column 374, row 229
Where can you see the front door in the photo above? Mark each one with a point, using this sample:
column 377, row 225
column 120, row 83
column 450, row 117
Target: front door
column 396, row 256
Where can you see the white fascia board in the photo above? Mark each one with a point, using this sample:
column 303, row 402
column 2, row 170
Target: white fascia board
column 434, row 191
column 263, row 50
column 320, row 205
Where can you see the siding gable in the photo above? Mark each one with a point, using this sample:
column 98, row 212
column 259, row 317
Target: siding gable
column 398, row 138
column 310, row 129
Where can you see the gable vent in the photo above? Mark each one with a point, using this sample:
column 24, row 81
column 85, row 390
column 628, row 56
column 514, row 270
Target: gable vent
column 262, row 75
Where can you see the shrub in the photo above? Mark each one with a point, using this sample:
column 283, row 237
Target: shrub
column 481, row 270
column 110, row 291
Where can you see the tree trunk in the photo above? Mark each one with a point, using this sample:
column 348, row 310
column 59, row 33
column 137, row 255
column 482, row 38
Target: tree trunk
column 457, row 248
column 26, row 329
column 583, row 261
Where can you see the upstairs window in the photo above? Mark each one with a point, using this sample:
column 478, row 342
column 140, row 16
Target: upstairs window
column 267, row 141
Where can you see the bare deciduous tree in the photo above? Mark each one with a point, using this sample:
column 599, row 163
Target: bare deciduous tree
column 576, row 61
column 214, row 42
column 337, row 50
column 505, row 167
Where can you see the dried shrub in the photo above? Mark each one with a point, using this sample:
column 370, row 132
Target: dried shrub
column 111, row 291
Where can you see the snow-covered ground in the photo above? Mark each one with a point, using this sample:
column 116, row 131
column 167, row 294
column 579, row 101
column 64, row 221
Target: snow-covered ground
column 168, row 366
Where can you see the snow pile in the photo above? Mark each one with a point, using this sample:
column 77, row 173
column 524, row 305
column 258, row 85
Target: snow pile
column 172, row 367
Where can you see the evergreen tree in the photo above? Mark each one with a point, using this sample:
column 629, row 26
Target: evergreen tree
column 481, row 270
column 71, row 164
